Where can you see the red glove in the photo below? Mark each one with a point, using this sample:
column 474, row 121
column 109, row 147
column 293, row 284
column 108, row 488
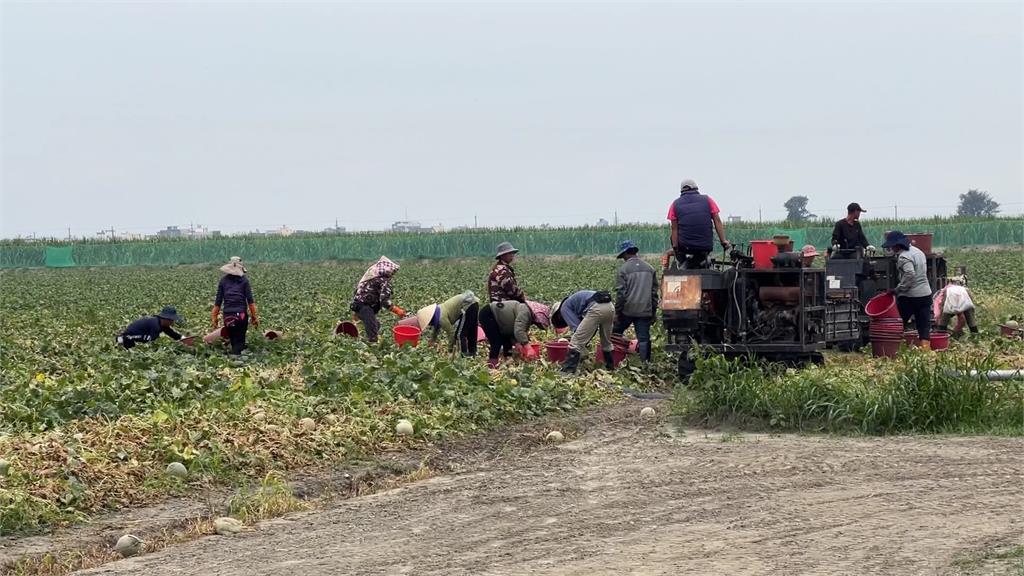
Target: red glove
column 215, row 317
column 252, row 314
column 397, row 311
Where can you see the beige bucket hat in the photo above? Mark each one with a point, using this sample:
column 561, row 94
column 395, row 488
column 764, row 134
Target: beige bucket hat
column 234, row 267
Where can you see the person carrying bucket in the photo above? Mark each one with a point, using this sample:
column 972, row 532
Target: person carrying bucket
column 501, row 282
column 149, row 328
column 692, row 215
column 373, row 293
column 586, row 313
column 636, row 298
column 507, row 327
column 234, row 296
column 913, row 293
column 457, row 317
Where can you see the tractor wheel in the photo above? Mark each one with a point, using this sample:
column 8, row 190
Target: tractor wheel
column 686, row 367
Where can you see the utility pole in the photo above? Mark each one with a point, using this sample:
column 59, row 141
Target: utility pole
column 895, row 212
column 758, row 214
column 475, row 225
column 616, row 217
column 69, row 233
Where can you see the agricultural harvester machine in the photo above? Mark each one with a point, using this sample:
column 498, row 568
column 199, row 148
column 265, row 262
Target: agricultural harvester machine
column 771, row 307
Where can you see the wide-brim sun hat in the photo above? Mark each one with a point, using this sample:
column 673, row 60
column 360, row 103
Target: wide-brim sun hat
column 896, row 238
column 626, row 246
column 505, row 248
column 234, row 267
column 541, row 313
column 169, row 313
column 555, row 322
column 425, row 315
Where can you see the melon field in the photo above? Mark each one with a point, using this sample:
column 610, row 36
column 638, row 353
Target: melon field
column 86, row 427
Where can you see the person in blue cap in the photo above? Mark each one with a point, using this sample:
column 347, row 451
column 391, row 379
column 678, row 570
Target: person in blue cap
column 636, row 298
column 914, row 292
column 149, row 328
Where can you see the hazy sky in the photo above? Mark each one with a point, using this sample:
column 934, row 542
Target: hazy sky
column 239, row 115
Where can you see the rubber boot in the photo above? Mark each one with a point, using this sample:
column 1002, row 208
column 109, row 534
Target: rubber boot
column 571, row 363
column 609, row 360
column 644, row 349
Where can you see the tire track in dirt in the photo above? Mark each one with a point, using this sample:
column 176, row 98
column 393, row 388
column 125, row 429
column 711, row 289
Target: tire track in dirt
column 630, row 499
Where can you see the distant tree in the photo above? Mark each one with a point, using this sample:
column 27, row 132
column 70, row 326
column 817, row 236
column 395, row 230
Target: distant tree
column 977, row 203
column 796, row 209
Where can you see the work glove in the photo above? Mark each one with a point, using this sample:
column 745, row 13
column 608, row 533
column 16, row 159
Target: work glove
column 215, row 317
column 870, row 248
column 252, row 314
column 397, row 311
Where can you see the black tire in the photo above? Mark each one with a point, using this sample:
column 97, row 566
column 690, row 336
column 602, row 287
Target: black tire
column 686, row 367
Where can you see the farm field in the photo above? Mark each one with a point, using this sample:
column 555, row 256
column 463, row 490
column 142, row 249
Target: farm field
column 87, row 428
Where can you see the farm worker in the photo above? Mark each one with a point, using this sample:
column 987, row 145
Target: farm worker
column 955, row 300
column 692, row 216
column 586, row 312
column 457, row 317
column 913, row 293
column 807, row 255
column 501, row 283
column 149, row 328
column 507, row 326
column 234, row 297
column 847, row 233
column 373, row 293
column 636, row 298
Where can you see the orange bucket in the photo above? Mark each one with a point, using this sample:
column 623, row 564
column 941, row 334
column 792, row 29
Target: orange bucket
column 406, row 335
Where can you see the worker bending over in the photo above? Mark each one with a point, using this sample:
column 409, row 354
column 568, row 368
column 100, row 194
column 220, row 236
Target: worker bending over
column 149, row 328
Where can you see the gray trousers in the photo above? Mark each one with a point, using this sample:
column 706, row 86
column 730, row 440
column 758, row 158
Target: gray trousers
column 597, row 319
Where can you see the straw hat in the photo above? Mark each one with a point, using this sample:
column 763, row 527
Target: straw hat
column 425, row 315
column 234, row 267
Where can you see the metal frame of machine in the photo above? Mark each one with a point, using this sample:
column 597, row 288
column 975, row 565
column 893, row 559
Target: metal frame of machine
column 786, row 313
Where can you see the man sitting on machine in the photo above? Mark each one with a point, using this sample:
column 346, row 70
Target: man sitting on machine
column 692, row 216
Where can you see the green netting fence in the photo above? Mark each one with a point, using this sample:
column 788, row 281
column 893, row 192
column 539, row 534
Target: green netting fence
column 540, row 242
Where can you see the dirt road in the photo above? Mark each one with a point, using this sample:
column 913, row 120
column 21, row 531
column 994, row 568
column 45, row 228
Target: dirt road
column 624, row 497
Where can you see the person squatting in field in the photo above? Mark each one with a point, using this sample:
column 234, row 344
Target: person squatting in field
column 149, row 328
column 913, row 293
column 457, row 317
column 636, row 298
column 234, row 297
column 373, row 293
column 507, row 327
column 586, row 313
column 954, row 300
column 501, row 282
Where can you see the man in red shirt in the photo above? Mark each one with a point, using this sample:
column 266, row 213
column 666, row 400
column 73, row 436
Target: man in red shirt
column 692, row 215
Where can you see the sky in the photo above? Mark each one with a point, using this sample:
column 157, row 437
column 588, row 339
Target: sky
column 254, row 115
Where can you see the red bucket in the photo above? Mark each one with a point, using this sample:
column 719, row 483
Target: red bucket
column 885, row 348
column 406, row 335
column 762, row 251
column 940, row 340
column 557, row 351
column 911, row 338
column 882, row 306
column 347, row 328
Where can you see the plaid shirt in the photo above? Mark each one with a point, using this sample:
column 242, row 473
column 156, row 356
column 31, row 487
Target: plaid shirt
column 375, row 293
column 502, row 285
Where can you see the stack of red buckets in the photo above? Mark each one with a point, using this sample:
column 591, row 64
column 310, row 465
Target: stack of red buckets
column 886, row 328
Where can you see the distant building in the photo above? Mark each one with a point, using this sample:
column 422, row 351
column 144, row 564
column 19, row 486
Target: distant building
column 601, row 223
column 170, row 232
column 335, row 230
column 735, row 219
column 409, row 226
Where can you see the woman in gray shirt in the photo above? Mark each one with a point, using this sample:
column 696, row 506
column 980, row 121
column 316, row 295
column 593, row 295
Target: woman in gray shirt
column 913, row 293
